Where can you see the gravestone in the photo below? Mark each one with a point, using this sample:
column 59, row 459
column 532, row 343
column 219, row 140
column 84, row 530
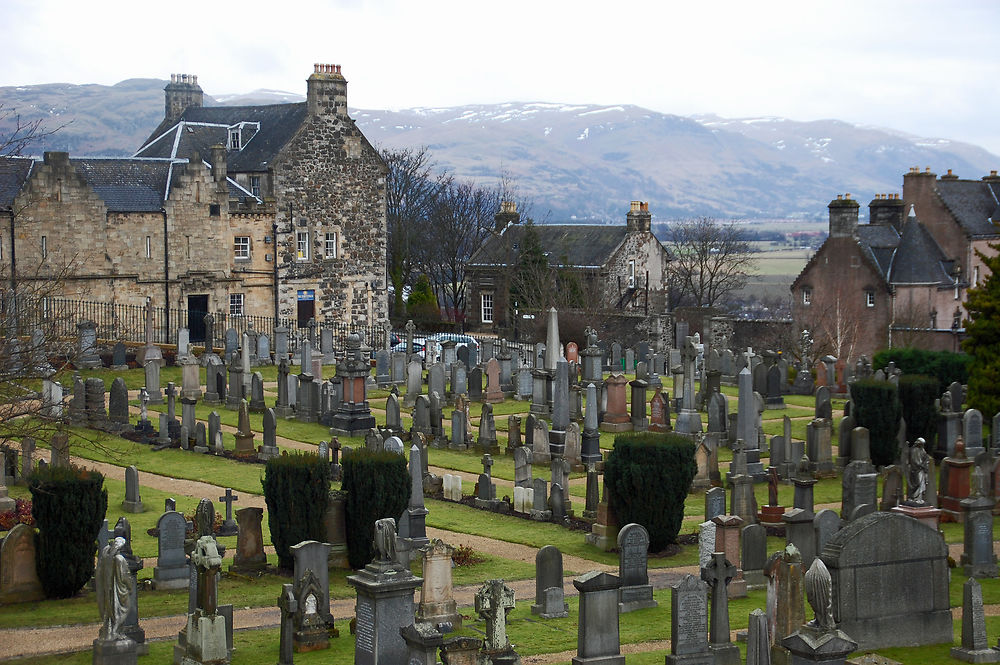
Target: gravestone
column 19, row 581
column 890, row 555
column 437, row 602
column 250, row 556
column 597, row 627
column 549, row 601
column 689, row 623
column 715, row 502
column 975, row 645
column 522, row 467
column 753, row 542
column 633, row 550
column 718, row 573
column 171, row 571
column 311, row 555
column 132, row 502
column 384, row 602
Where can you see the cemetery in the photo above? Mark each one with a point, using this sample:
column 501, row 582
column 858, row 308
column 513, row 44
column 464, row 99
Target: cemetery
column 676, row 501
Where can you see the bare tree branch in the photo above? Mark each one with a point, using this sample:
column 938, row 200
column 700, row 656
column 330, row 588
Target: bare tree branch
column 711, row 260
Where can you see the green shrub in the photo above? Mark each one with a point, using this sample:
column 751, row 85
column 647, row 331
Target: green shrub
column 647, row 477
column 377, row 485
column 917, row 393
column 944, row 366
column 69, row 505
column 296, row 487
column 875, row 405
column 422, row 305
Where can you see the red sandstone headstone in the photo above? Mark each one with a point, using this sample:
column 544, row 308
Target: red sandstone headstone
column 572, row 352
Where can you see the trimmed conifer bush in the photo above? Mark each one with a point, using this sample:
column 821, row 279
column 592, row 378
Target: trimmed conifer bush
column 377, row 485
column 944, row 366
column 296, row 487
column 917, row 393
column 68, row 505
column 648, row 475
column 875, row 405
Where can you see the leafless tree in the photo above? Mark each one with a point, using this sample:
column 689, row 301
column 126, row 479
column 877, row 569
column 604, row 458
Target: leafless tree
column 711, row 260
column 459, row 223
column 412, row 186
column 18, row 134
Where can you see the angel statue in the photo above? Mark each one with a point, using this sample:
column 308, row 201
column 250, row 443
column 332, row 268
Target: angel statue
column 113, row 585
column 919, row 464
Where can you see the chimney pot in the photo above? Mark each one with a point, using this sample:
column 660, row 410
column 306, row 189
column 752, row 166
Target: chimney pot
column 993, row 172
column 927, row 169
column 840, row 197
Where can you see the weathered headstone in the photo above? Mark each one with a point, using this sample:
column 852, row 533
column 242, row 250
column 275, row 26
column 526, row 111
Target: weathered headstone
column 549, row 601
column 633, row 551
column 171, row 571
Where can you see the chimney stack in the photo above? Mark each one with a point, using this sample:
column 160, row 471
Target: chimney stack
column 843, row 217
column 886, row 210
column 992, row 177
column 326, row 91
column 182, row 91
column 638, row 218
column 219, row 166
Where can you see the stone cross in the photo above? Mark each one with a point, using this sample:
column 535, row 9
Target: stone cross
column 289, row 606
column 488, row 464
column 494, row 601
column 228, row 499
column 718, row 573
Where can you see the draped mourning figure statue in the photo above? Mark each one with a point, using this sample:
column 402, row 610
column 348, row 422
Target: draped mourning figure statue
column 385, row 539
column 113, row 585
column 919, row 464
column 819, row 593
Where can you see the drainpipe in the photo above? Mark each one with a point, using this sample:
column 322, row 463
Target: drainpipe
column 166, row 275
column 274, row 241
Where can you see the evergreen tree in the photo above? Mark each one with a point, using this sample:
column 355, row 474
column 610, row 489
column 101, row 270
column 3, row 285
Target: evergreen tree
column 982, row 340
column 422, row 305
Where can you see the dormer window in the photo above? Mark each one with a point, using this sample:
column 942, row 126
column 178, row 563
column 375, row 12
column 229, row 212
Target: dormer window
column 235, row 138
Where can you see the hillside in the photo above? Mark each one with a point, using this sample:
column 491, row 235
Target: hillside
column 582, row 162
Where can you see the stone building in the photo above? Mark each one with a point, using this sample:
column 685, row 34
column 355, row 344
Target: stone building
column 899, row 280
column 611, row 268
column 245, row 210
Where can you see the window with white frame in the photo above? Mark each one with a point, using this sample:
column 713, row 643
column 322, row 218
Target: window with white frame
column 45, row 247
column 241, row 248
column 235, row 141
column 255, row 185
column 631, row 274
column 330, row 248
column 149, row 247
column 807, row 296
column 235, row 304
column 302, row 246
column 486, row 307
column 869, row 298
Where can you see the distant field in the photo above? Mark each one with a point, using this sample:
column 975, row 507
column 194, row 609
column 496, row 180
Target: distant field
column 782, row 262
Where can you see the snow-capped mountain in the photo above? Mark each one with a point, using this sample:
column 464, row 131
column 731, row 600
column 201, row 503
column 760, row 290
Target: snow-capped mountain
column 575, row 161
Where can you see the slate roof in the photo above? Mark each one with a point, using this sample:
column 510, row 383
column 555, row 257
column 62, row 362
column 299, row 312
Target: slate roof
column 919, row 259
column 128, row 184
column 575, row 245
column 201, row 127
column 879, row 242
column 13, row 172
column 975, row 205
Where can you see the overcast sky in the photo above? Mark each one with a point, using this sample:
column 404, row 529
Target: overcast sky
column 930, row 68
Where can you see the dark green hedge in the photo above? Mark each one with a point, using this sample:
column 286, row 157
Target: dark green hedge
column 875, row 405
column 377, row 485
column 296, row 487
column 917, row 393
column 69, row 505
column 648, row 475
column 944, row 366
